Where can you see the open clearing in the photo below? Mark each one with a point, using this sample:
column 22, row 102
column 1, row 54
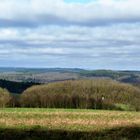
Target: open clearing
column 70, row 120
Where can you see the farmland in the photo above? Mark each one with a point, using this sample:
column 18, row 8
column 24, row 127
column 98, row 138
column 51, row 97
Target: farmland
column 18, row 123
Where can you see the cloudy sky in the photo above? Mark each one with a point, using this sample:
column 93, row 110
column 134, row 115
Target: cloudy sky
column 91, row 34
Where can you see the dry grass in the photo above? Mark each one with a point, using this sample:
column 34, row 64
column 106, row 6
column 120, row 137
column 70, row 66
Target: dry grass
column 75, row 120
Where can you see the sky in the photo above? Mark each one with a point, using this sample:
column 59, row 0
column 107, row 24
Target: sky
column 89, row 34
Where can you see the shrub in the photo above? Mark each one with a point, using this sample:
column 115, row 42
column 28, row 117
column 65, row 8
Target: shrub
column 4, row 97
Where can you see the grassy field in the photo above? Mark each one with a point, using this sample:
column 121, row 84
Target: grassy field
column 42, row 124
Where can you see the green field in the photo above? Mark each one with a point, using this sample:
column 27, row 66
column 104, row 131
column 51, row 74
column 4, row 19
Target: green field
column 42, row 124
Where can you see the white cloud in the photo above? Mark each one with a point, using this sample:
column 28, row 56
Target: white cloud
column 49, row 32
column 58, row 12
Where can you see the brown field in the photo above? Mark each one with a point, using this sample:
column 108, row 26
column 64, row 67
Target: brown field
column 77, row 120
column 70, row 124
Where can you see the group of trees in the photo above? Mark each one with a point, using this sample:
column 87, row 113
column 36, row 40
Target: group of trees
column 87, row 94
column 16, row 87
column 4, row 97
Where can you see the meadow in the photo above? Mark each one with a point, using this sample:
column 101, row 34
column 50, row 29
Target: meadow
column 72, row 124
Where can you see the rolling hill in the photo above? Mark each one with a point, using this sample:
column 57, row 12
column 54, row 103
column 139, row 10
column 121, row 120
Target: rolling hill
column 26, row 77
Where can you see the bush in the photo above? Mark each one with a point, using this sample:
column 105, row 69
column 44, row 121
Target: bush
column 4, row 97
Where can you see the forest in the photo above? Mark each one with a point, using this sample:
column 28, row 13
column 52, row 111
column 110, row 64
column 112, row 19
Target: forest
column 79, row 94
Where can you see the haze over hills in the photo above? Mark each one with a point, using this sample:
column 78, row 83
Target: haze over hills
column 23, row 78
column 45, row 75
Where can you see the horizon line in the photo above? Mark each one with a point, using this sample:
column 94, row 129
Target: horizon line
column 96, row 69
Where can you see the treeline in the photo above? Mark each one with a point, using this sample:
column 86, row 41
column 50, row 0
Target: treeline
column 84, row 94
column 16, row 87
column 102, row 73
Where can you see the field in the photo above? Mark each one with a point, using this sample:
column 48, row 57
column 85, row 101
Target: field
column 70, row 124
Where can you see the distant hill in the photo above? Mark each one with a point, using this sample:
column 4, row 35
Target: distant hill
column 48, row 75
column 39, row 70
column 122, row 76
